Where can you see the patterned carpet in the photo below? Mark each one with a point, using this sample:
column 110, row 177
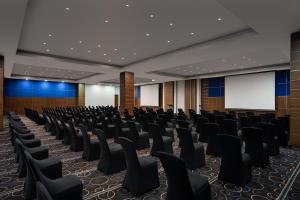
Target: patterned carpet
column 266, row 183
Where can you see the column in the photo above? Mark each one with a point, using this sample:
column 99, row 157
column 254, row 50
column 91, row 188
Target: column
column 1, row 91
column 294, row 102
column 126, row 91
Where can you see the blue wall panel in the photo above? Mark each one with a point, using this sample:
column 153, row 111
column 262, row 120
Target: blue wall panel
column 138, row 92
column 216, row 87
column 282, row 83
column 39, row 89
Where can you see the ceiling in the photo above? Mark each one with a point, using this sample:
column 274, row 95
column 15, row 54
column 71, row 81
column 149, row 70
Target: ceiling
column 20, row 70
column 161, row 40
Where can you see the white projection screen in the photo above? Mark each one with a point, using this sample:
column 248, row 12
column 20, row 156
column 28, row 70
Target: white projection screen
column 250, row 91
column 150, row 95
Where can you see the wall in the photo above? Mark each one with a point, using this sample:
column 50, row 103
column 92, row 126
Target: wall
column 212, row 93
column 180, row 94
column 20, row 94
column 168, row 94
column 99, row 95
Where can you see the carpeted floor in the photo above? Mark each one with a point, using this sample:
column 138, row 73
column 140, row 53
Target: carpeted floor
column 266, row 183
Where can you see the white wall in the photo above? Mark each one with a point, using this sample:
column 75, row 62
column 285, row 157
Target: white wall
column 99, row 95
column 180, row 94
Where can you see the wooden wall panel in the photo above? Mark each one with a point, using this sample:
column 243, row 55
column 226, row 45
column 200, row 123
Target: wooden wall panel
column 127, row 91
column 81, row 94
column 18, row 104
column 204, row 94
column 1, row 91
column 190, row 94
column 294, row 101
column 282, row 105
column 168, row 94
column 116, row 100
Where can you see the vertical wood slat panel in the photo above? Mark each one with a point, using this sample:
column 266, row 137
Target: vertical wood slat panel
column 168, row 94
column 294, row 100
column 81, row 94
column 126, row 91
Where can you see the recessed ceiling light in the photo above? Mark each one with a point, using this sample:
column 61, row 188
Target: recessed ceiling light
column 168, row 41
column 26, row 79
column 48, row 50
column 115, row 49
column 50, row 35
column 44, row 43
column 106, row 21
column 122, row 58
column 99, row 45
column 220, row 19
column 80, row 42
column 46, row 80
column 109, row 60
column 192, row 33
column 62, row 81
column 134, row 54
column 89, row 51
column 153, row 80
column 127, row 5
column 147, row 34
column 151, row 16
column 71, row 48
column 171, row 24
column 104, row 54
column 67, row 9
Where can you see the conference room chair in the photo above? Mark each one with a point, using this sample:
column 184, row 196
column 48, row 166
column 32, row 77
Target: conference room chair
column 52, row 166
column 211, row 117
column 212, row 131
column 165, row 130
column 142, row 172
column 58, row 128
column 220, row 119
column 47, row 125
column 66, row 134
column 109, row 129
column 270, row 137
column 255, row 147
column 183, row 184
column 255, row 119
column 281, row 130
column 140, row 139
column 192, row 153
column 199, row 129
column 230, row 116
column 59, row 188
column 76, row 138
column 229, row 127
column 244, row 122
column 250, row 113
column 160, row 142
column 91, row 148
column 42, row 192
column 235, row 166
column 112, row 158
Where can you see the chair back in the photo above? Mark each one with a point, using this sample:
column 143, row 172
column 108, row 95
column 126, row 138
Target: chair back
column 104, row 149
column 179, row 186
column 253, row 138
column 156, row 134
column 231, row 150
column 229, row 127
column 42, row 192
column 130, row 154
column 186, row 140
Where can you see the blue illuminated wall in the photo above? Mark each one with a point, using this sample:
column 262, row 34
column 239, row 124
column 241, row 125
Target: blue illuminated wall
column 282, row 80
column 216, row 87
column 39, row 89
